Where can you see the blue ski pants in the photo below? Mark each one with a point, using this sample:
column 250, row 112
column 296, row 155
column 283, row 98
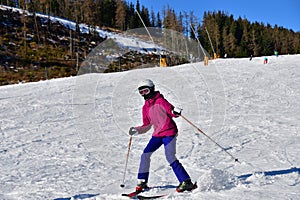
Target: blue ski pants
column 170, row 151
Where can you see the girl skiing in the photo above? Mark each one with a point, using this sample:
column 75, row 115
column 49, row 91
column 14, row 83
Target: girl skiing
column 158, row 112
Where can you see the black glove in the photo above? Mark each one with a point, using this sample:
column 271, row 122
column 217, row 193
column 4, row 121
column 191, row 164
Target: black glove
column 133, row 131
column 177, row 111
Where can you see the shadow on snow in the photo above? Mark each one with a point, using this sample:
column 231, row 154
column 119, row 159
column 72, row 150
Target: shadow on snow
column 85, row 196
column 272, row 173
column 78, row 196
column 165, row 186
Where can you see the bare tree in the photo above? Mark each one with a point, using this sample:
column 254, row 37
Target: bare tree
column 89, row 13
column 23, row 5
column 120, row 14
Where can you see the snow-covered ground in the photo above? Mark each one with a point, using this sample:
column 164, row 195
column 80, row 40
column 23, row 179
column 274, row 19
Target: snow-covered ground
column 67, row 138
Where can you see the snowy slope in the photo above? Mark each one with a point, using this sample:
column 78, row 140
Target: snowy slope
column 67, row 138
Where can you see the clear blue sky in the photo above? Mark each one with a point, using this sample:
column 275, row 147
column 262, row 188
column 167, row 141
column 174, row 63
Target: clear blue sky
column 283, row 13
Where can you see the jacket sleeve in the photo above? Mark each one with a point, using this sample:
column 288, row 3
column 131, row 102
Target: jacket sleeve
column 146, row 124
column 168, row 108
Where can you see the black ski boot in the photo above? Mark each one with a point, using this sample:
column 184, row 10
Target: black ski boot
column 186, row 185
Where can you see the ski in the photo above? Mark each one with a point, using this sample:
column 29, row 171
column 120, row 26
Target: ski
column 138, row 195
column 132, row 194
column 142, row 197
column 136, row 192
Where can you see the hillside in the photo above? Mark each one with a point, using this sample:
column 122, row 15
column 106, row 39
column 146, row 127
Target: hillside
column 67, row 138
column 34, row 47
column 39, row 47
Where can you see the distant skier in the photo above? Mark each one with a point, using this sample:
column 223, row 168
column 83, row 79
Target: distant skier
column 276, row 53
column 158, row 112
column 250, row 57
column 265, row 60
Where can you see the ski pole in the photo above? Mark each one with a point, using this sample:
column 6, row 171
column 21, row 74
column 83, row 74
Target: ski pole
column 235, row 159
column 127, row 156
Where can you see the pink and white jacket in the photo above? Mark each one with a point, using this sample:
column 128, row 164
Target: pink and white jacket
column 157, row 111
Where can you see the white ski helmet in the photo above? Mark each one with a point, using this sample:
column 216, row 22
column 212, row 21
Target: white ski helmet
column 146, row 83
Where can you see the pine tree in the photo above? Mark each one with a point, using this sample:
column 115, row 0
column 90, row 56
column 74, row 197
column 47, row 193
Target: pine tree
column 245, row 39
column 137, row 19
column 120, row 14
column 153, row 19
column 170, row 20
column 145, row 16
column 296, row 43
column 159, row 21
column 254, row 40
column 109, row 10
column 89, row 13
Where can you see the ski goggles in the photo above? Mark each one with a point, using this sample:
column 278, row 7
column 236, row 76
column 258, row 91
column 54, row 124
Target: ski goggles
column 144, row 91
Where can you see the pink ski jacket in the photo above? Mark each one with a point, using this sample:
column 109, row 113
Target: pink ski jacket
column 157, row 111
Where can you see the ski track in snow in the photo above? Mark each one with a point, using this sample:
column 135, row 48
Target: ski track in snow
column 67, row 138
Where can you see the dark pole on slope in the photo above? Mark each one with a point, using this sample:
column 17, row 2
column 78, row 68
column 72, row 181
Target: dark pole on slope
column 127, row 155
column 198, row 129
